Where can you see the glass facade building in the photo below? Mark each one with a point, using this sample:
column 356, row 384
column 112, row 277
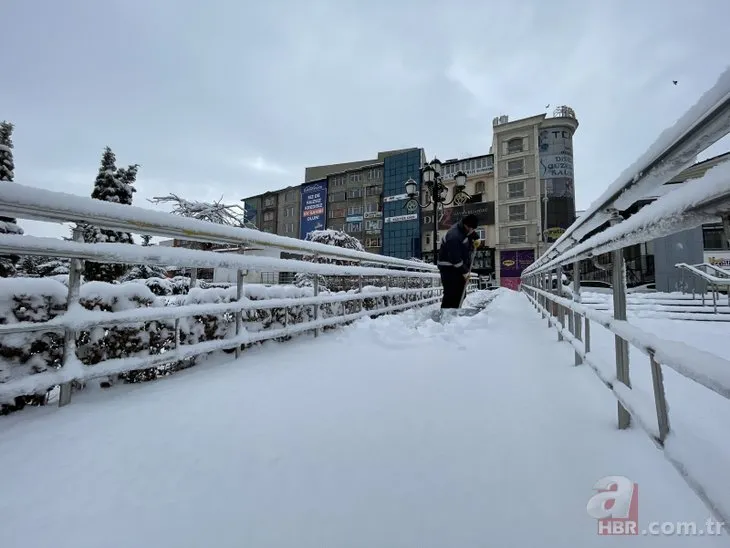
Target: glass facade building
column 401, row 228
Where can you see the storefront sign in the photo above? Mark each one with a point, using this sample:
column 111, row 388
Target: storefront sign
column 395, row 198
column 400, row 218
column 720, row 259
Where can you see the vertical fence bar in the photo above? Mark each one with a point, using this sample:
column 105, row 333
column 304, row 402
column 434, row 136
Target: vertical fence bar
column 618, row 280
column 559, row 308
column 239, row 312
column 193, row 277
column 576, row 316
column 660, row 397
column 69, row 334
column 316, row 293
column 587, row 335
column 359, row 289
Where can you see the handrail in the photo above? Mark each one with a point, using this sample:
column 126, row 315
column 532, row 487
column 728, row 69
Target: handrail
column 141, row 317
column 689, row 206
column 719, row 280
column 701, row 126
column 685, row 206
column 704, row 368
column 26, row 202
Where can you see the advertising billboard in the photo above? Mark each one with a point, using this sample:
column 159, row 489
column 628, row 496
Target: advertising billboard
column 511, row 265
column 314, row 208
column 556, row 161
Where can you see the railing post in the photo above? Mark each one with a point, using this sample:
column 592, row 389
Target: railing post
column 69, row 334
column 587, row 335
column 359, row 288
column 239, row 312
column 560, row 318
column 618, row 280
column 193, row 278
column 660, row 398
column 576, row 316
column 316, row 293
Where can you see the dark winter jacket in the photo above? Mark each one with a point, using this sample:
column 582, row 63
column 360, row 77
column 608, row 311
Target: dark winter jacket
column 455, row 250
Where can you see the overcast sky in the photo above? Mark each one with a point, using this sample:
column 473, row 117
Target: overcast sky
column 233, row 97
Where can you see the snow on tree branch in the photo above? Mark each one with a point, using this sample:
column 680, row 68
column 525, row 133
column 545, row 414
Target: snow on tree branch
column 215, row 212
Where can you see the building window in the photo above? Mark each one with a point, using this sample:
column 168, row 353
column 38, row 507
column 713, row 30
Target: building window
column 289, row 196
column 269, row 201
column 289, row 212
column 355, row 177
column 354, row 210
column 375, row 174
column 372, row 242
column 337, row 197
column 374, row 190
column 514, row 145
column 480, row 234
column 354, row 227
column 516, row 190
column 337, row 213
column 517, row 212
column 289, row 228
column 354, row 193
column 337, row 226
column 714, row 238
column 338, row 180
column 479, row 187
column 372, row 207
column 518, row 235
column 269, row 216
column 375, row 224
column 515, row 167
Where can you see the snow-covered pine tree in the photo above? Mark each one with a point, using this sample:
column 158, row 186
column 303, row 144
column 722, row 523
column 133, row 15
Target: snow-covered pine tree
column 7, row 224
column 144, row 271
column 111, row 185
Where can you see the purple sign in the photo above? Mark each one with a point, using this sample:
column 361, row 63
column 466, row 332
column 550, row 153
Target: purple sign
column 512, row 263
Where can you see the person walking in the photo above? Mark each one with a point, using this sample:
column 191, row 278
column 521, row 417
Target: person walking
column 454, row 260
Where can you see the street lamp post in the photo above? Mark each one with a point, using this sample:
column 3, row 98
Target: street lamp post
column 431, row 176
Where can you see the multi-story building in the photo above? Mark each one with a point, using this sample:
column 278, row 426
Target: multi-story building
column 366, row 199
column 480, row 185
column 288, row 213
column 533, row 171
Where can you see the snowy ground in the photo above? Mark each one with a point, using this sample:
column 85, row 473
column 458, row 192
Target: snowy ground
column 394, row 432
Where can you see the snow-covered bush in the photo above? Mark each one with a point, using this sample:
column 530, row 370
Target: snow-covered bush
column 37, row 300
column 334, row 238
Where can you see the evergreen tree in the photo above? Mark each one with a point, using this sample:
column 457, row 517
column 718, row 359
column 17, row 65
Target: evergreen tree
column 111, row 185
column 8, row 225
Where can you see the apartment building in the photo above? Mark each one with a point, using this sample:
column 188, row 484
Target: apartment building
column 480, row 185
column 535, row 193
column 365, row 199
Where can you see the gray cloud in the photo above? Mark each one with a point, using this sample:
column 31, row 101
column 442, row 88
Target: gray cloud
column 232, row 98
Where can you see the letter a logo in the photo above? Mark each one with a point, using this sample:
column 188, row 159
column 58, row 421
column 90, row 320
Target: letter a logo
column 615, row 506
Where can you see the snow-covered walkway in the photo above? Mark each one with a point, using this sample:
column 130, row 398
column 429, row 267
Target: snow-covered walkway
column 395, row 432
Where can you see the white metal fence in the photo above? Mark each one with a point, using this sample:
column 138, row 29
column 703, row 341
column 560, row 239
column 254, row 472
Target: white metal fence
column 226, row 320
column 687, row 206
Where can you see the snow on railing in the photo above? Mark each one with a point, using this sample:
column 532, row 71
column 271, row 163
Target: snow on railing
column 695, row 364
column 685, row 206
column 675, row 149
column 65, row 334
column 26, row 202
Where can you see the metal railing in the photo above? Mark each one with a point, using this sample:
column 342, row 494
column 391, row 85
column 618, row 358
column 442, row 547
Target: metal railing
column 719, row 278
column 689, row 205
column 402, row 284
